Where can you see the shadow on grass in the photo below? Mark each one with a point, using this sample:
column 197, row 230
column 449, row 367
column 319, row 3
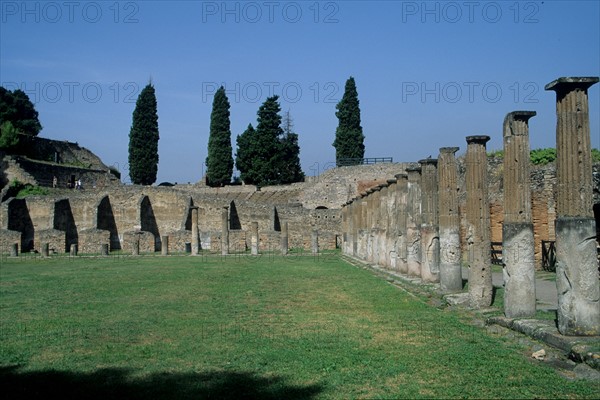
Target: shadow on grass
column 114, row 383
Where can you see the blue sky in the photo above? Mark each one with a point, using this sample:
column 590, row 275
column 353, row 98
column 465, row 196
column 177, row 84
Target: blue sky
column 428, row 73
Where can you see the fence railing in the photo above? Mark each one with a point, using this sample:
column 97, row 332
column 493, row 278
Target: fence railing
column 342, row 162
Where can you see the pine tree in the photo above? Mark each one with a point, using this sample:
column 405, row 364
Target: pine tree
column 269, row 155
column 349, row 139
column 219, row 161
column 19, row 110
column 245, row 154
column 143, row 139
column 289, row 160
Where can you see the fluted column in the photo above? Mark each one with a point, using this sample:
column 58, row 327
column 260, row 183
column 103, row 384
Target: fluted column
column 430, row 240
column 576, row 262
column 413, row 222
column 449, row 222
column 478, row 223
column 401, row 215
column 517, row 230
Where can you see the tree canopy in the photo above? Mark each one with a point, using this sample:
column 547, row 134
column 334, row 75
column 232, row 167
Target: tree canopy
column 349, row 138
column 219, row 162
column 16, row 108
column 268, row 155
column 143, row 139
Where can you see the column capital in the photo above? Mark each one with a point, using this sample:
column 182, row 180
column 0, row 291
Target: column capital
column 567, row 84
column 401, row 176
column 519, row 116
column 428, row 161
column 413, row 169
column 448, row 150
column 478, row 139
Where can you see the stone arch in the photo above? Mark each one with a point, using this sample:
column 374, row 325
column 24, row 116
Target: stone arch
column 20, row 220
column 64, row 221
column 234, row 219
column 148, row 220
column 276, row 221
column 187, row 219
column 105, row 220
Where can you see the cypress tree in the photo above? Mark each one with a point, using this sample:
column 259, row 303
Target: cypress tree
column 349, row 139
column 143, row 139
column 245, row 155
column 268, row 131
column 289, row 160
column 219, row 161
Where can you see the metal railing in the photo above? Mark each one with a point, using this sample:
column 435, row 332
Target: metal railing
column 342, row 162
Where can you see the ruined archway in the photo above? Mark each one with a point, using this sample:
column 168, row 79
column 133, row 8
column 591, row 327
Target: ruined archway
column 64, row 221
column 148, row 221
column 234, row 219
column 105, row 220
column 20, row 220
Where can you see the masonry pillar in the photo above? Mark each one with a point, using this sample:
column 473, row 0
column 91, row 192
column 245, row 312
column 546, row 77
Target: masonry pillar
column 401, row 212
column 391, row 230
column 254, row 239
column 356, row 212
column 364, row 231
column 449, row 222
column 478, row 223
column 413, row 222
column 46, row 250
column 314, row 240
column 576, row 262
column 430, row 240
column 195, row 232
column 518, row 247
column 164, row 249
column 284, row 238
column 104, row 249
column 381, row 231
column 135, row 246
column 224, row 232
column 14, row 250
column 73, row 250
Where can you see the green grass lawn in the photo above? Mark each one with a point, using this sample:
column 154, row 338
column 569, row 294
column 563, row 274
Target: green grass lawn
column 268, row 327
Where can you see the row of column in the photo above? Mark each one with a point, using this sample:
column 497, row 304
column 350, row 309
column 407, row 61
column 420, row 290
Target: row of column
column 411, row 224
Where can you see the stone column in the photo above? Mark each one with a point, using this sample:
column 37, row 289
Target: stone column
column 356, row 213
column 381, row 231
column 314, row 240
column 449, row 222
column 104, row 249
column 254, row 239
column 224, row 232
column 413, row 222
column 478, row 223
column 135, row 246
column 430, row 240
column 401, row 215
column 364, row 231
column 284, row 238
column 14, row 250
column 517, row 230
column 576, row 262
column 195, row 232
column 391, row 230
column 73, row 250
column 164, row 248
column 45, row 249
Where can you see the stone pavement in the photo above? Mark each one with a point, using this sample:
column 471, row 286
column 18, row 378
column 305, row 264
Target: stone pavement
column 545, row 290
